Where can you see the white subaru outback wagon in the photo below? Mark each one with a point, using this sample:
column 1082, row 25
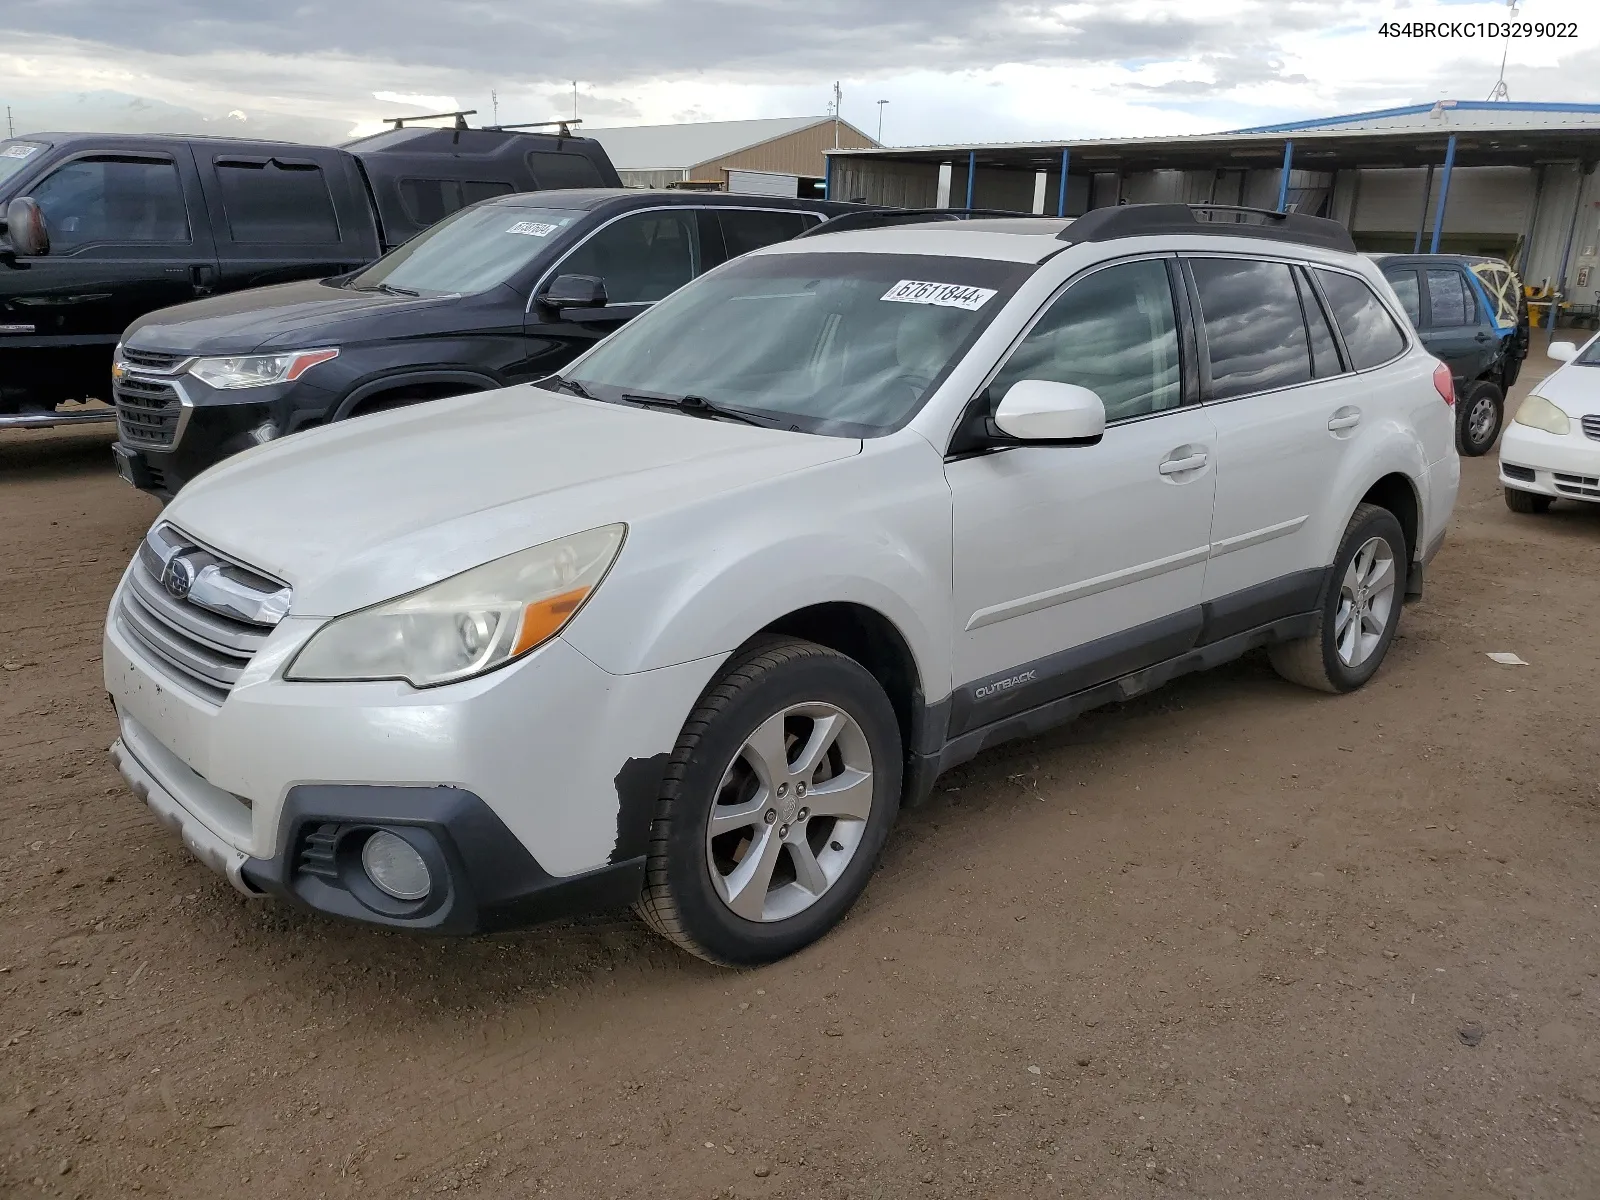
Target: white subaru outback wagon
column 685, row 626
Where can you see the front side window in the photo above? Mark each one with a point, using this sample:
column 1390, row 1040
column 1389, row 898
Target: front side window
column 1370, row 334
column 1449, row 304
column 468, row 252
column 1115, row 332
column 744, row 231
column 1410, row 292
column 1255, row 331
column 113, row 200
column 276, row 203
column 841, row 344
column 643, row 257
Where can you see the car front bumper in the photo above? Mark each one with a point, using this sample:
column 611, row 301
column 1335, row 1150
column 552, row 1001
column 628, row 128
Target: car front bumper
column 535, row 785
column 1566, row 466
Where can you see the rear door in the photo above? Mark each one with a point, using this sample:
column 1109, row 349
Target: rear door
column 281, row 214
column 1456, row 329
column 128, row 235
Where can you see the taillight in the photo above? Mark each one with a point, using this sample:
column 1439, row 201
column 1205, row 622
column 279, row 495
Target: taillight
column 1445, row 385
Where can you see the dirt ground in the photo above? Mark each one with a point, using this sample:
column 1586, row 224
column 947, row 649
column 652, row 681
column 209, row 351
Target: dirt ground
column 1232, row 939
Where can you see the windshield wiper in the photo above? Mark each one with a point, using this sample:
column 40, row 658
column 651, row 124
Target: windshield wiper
column 701, row 407
column 573, row 386
column 388, row 289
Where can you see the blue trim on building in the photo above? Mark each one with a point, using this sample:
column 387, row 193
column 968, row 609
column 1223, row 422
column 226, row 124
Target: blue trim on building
column 1283, row 179
column 1444, row 194
column 1417, row 109
column 1061, row 199
column 972, row 175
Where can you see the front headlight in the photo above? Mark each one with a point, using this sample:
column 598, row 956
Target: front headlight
column 1539, row 413
column 258, row 370
column 467, row 624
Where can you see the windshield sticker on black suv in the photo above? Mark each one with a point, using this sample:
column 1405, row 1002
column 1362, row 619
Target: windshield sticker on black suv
column 17, row 151
column 945, row 295
column 534, row 228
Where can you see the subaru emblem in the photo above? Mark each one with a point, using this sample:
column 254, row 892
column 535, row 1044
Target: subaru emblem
column 179, row 578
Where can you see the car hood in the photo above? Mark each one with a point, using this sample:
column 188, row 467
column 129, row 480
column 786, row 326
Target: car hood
column 285, row 316
column 364, row 510
column 1574, row 389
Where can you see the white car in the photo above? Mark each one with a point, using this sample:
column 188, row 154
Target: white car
column 1551, row 449
column 685, row 626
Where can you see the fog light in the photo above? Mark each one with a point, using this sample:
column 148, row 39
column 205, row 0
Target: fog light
column 264, row 433
column 395, row 867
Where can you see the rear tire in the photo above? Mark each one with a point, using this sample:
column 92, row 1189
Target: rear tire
column 1364, row 590
column 1519, row 501
column 788, row 854
column 1478, row 416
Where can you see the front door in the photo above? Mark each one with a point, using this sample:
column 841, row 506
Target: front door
column 1075, row 565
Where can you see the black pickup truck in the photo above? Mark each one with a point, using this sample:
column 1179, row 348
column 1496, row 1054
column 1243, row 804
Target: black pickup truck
column 100, row 229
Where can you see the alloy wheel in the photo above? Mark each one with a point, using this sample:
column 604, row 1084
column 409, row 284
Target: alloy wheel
column 1366, row 601
column 790, row 812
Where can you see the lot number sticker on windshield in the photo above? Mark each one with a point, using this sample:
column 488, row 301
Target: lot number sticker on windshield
column 533, row 228
column 945, row 295
column 17, row 151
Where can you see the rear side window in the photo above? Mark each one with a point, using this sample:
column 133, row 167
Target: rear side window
column 273, row 202
column 1449, row 303
column 1410, row 293
column 428, row 200
column 746, row 231
column 558, row 169
column 1370, row 334
column 1255, row 331
column 1324, row 348
column 113, row 200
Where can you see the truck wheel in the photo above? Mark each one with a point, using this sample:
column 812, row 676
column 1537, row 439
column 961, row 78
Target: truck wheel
column 1519, row 501
column 1360, row 608
column 1478, row 417
column 775, row 805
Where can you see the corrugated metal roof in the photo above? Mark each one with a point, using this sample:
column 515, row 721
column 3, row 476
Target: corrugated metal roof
column 668, row 147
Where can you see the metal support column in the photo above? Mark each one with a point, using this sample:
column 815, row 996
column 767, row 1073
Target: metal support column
column 827, row 178
column 1422, row 217
column 1061, row 200
column 1283, row 179
column 1525, row 257
column 972, row 175
column 1560, row 290
column 1444, row 194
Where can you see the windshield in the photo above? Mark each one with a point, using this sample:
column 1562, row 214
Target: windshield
column 16, row 155
column 844, row 344
column 468, row 252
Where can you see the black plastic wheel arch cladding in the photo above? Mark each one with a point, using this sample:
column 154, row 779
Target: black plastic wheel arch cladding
column 638, row 787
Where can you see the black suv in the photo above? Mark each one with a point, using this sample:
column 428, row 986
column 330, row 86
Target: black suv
column 100, row 229
column 1472, row 316
column 506, row 291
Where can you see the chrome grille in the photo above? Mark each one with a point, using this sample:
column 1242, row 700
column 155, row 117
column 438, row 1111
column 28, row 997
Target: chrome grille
column 148, row 411
column 197, row 615
column 152, row 360
column 1591, row 426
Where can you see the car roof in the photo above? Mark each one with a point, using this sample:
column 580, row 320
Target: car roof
column 1400, row 257
column 950, row 239
column 591, row 198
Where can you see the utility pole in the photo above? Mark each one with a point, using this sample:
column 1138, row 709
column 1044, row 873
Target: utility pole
column 881, row 103
column 494, row 100
column 1500, row 91
column 10, row 132
column 837, row 96
column 574, row 99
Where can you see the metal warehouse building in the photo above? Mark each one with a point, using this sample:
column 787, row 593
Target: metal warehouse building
column 1516, row 181
column 778, row 156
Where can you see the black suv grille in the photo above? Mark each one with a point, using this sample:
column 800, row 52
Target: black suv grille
column 147, row 411
column 151, row 360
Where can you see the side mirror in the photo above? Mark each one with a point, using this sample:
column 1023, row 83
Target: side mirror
column 575, row 291
column 1563, row 351
column 1051, row 414
column 25, row 228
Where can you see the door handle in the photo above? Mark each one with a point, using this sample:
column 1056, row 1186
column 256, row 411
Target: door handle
column 1345, row 419
column 1482, row 337
column 204, row 278
column 1177, row 466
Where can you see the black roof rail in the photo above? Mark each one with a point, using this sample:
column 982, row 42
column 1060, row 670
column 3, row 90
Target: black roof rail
column 565, row 124
column 460, row 116
column 879, row 218
column 1141, row 220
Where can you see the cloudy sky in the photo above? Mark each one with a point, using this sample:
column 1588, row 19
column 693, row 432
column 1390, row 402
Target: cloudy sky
column 952, row 70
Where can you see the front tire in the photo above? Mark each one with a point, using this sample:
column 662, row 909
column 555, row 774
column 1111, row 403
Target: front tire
column 775, row 805
column 1360, row 608
column 1519, row 501
column 1478, row 417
